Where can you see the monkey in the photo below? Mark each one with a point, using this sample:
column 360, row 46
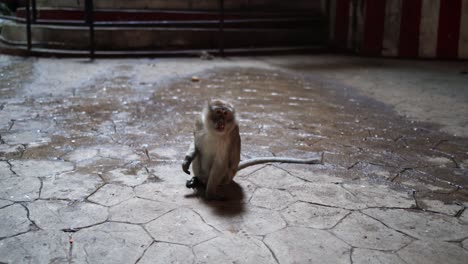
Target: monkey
column 215, row 152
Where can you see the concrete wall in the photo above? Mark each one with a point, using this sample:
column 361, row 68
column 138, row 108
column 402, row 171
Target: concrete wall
column 400, row 28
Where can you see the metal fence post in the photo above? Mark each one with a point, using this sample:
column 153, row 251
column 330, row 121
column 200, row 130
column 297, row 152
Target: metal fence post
column 89, row 19
column 28, row 25
column 34, row 11
column 221, row 28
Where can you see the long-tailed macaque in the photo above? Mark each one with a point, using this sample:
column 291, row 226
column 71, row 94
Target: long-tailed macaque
column 215, row 152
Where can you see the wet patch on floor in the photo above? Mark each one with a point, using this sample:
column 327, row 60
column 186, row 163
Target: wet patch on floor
column 280, row 113
column 291, row 114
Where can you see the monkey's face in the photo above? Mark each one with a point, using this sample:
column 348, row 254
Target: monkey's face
column 221, row 117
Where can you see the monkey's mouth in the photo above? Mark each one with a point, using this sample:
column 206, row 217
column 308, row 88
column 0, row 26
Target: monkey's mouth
column 219, row 125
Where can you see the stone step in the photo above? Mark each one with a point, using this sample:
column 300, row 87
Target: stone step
column 22, row 51
column 179, row 18
column 162, row 15
column 159, row 38
column 188, row 4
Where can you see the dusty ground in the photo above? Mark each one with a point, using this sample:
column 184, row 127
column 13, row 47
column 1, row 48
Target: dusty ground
column 90, row 161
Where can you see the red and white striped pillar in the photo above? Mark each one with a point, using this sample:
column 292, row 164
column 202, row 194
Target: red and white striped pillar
column 401, row 28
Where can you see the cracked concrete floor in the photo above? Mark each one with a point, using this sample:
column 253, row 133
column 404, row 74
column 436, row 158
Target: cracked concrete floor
column 90, row 161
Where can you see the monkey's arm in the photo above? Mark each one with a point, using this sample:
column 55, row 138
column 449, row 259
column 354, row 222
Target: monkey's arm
column 192, row 151
column 189, row 156
column 247, row 163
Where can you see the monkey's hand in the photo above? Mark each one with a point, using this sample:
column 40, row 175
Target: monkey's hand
column 186, row 164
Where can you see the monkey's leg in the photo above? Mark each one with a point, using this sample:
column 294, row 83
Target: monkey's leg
column 218, row 174
column 232, row 172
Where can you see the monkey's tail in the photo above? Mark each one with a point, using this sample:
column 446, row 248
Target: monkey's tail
column 250, row 162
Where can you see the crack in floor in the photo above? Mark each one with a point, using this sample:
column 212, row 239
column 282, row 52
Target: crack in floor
column 389, row 227
column 144, row 251
column 11, row 167
column 34, row 226
column 70, row 248
column 270, row 250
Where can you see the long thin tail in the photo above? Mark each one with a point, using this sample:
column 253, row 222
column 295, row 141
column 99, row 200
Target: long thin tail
column 250, row 162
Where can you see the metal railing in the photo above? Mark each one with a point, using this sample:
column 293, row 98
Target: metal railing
column 89, row 20
column 31, row 19
column 217, row 20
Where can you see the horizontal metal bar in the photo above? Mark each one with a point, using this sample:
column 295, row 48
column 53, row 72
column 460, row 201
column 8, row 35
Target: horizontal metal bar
column 164, row 23
column 28, row 25
column 193, row 12
column 13, row 18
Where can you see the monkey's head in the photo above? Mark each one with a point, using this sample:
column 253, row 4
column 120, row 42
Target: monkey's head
column 220, row 116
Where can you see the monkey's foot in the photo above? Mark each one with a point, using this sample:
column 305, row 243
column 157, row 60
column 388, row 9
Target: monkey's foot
column 193, row 183
column 215, row 197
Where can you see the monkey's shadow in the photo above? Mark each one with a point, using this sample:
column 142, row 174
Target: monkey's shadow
column 230, row 203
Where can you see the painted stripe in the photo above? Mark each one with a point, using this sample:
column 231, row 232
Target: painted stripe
column 449, row 29
column 428, row 28
column 463, row 45
column 332, row 15
column 409, row 30
column 374, row 27
column 342, row 21
column 392, row 23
